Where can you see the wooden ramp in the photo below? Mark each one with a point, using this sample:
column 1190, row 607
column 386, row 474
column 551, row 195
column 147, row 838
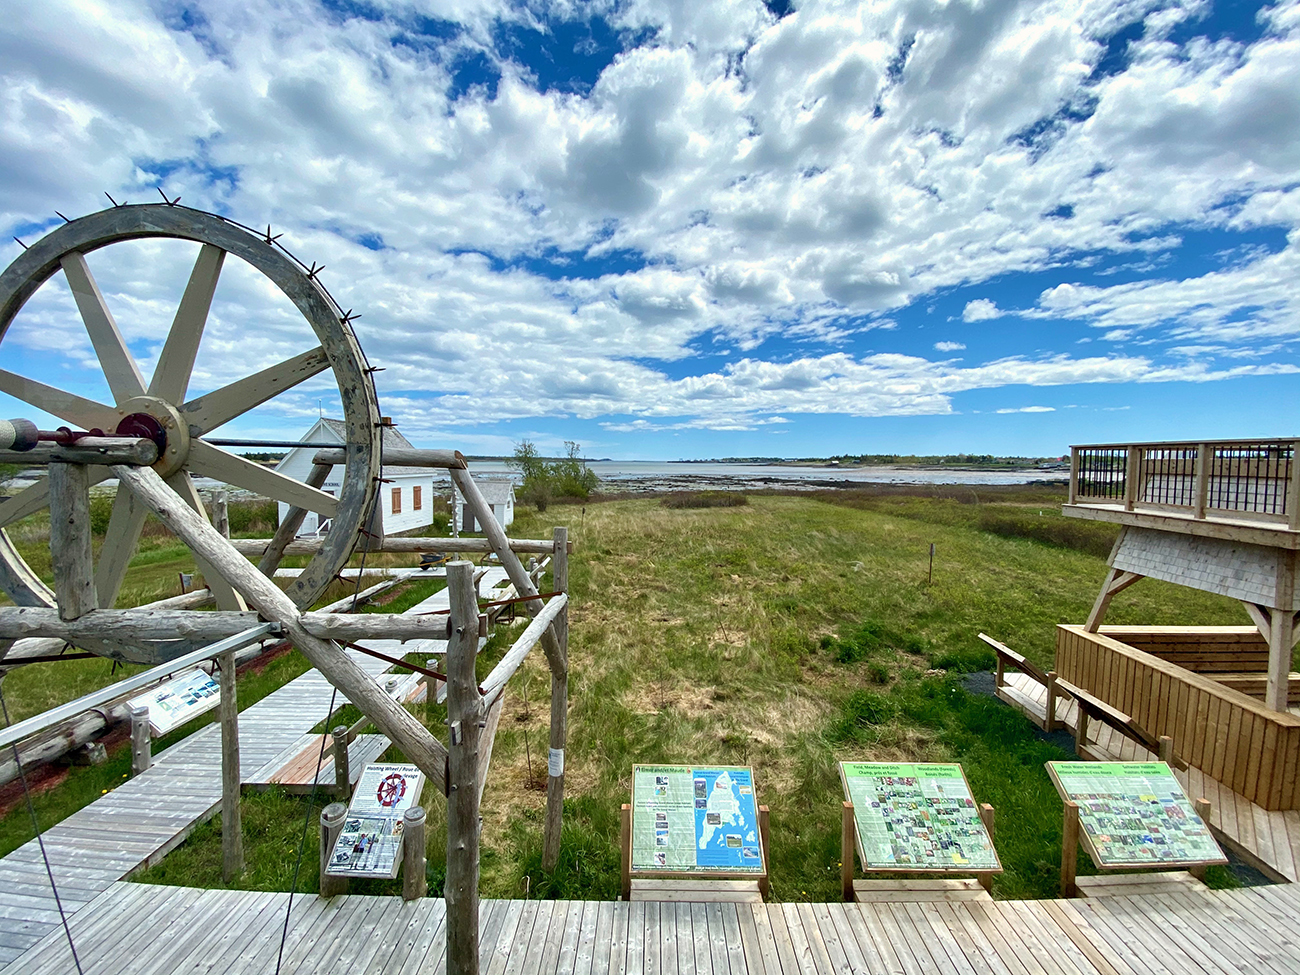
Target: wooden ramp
column 1267, row 840
column 132, row 929
column 294, row 768
column 138, row 823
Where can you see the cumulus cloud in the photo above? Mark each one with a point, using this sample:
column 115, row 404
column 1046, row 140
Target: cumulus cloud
column 981, row 310
column 721, row 180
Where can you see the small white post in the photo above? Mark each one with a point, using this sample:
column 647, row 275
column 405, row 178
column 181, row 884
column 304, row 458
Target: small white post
column 141, row 744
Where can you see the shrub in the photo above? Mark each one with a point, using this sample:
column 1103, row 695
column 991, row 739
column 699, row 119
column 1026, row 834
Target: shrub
column 704, row 499
column 872, row 636
column 863, row 710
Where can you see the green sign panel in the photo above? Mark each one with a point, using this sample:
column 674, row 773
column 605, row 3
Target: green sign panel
column 917, row 818
column 698, row 820
column 1135, row 814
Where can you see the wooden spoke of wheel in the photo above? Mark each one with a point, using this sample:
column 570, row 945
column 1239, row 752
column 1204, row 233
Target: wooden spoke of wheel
column 226, row 595
column 115, row 359
column 211, row 410
column 33, row 498
column 66, row 406
column 210, row 461
column 171, row 377
column 120, row 542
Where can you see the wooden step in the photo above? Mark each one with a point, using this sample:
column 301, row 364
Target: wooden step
column 947, row 889
column 1138, row 884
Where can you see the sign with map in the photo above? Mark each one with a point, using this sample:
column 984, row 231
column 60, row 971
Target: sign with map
column 1135, row 814
column 371, row 842
column 695, row 820
column 185, row 696
column 917, row 818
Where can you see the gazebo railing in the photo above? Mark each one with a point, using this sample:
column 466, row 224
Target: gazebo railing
column 1254, row 479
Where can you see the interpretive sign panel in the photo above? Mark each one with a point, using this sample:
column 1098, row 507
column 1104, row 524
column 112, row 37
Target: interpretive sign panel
column 185, row 696
column 695, row 820
column 917, row 818
column 371, row 842
column 1135, row 814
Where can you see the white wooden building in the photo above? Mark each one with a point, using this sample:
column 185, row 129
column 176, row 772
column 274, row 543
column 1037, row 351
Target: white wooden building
column 500, row 494
column 405, row 499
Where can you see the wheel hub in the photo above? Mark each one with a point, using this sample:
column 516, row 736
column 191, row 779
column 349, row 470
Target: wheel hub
column 157, row 420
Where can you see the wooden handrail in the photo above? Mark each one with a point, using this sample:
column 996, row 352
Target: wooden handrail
column 1009, row 656
column 1099, row 710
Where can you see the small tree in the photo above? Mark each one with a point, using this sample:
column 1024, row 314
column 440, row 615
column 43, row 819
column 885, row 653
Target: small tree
column 568, row 477
column 572, row 477
column 537, row 486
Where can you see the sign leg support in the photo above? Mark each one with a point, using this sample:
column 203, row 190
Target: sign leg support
column 846, row 851
column 1070, row 850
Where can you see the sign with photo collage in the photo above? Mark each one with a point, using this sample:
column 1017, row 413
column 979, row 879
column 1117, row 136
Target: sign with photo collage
column 917, row 818
column 1135, row 814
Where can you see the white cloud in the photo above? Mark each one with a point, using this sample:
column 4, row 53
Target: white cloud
column 981, row 310
column 1028, row 409
column 782, row 178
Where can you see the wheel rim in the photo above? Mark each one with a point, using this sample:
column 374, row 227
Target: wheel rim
column 187, row 421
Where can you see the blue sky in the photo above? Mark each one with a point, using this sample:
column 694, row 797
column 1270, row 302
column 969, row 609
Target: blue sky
column 675, row 230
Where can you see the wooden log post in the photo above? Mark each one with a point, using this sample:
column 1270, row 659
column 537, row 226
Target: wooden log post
column 764, row 831
column 342, row 774
column 1049, row 719
column 288, row 529
column 391, row 718
column 415, row 883
column 232, row 831
column 331, row 825
column 1202, row 807
column 1000, row 676
column 465, row 716
column 987, row 818
column 70, row 549
column 1080, row 730
column 625, row 851
column 221, row 513
column 559, row 662
column 848, row 830
column 141, row 743
column 1070, row 850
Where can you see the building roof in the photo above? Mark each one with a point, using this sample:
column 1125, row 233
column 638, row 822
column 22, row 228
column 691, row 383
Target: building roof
column 390, row 437
column 497, row 491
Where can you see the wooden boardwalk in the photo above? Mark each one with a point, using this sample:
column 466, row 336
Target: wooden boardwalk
column 133, row 929
column 1268, row 840
column 135, row 825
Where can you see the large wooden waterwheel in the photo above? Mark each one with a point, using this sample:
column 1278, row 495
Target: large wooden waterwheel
column 162, row 409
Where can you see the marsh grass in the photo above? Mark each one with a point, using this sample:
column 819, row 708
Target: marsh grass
column 788, row 634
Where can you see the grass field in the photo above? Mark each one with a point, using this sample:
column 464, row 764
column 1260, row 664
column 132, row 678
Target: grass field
column 789, row 633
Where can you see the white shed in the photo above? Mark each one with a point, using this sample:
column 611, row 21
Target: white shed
column 499, row 494
column 405, row 499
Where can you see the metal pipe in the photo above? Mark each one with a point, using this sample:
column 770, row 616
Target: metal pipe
column 39, row 722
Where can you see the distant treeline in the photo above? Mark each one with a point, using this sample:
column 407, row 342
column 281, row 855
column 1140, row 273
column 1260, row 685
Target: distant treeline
column 908, row 460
